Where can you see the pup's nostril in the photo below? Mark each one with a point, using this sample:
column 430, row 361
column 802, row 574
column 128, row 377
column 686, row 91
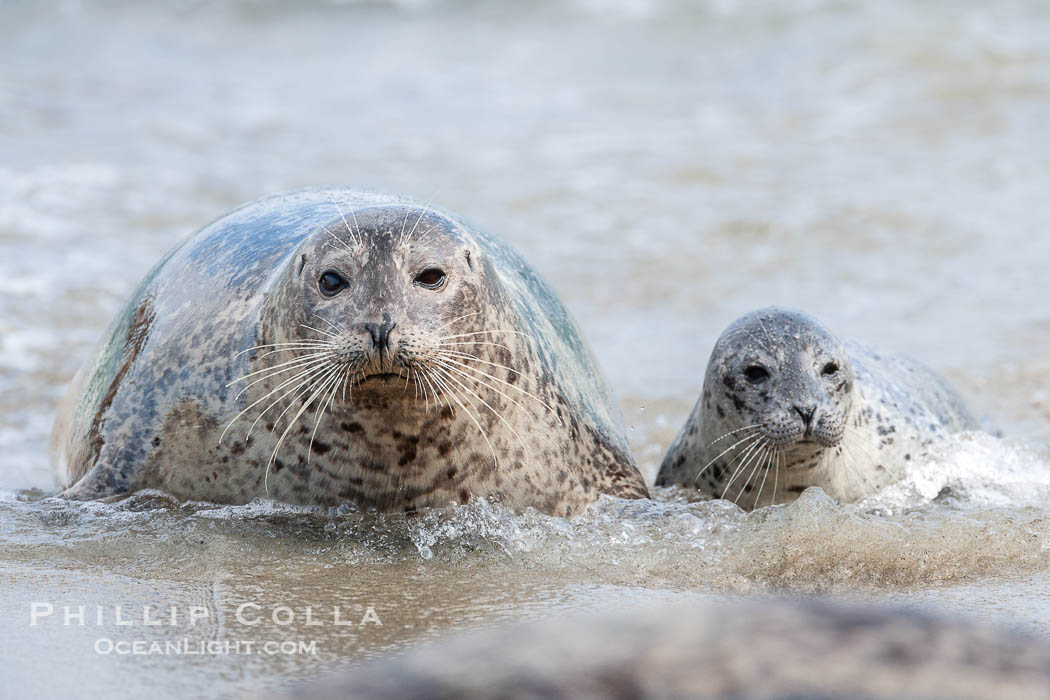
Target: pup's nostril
column 806, row 413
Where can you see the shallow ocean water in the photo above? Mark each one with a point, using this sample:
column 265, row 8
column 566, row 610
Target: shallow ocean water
column 666, row 165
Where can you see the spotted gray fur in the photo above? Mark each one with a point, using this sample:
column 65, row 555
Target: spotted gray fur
column 230, row 375
column 786, row 405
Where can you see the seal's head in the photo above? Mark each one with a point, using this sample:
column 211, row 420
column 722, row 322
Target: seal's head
column 379, row 299
column 780, row 374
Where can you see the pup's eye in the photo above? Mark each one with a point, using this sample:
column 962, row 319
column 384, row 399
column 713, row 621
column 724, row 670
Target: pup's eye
column 431, row 278
column 331, row 283
column 831, row 369
column 756, row 374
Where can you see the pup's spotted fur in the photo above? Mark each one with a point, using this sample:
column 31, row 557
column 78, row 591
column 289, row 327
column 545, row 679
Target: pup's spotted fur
column 787, row 405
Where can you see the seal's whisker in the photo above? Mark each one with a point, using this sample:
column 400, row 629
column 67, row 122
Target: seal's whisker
column 767, row 455
column 302, row 375
column 420, row 218
column 357, row 226
column 296, row 345
column 474, row 358
column 859, row 443
column 529, row 394
column 756, row 426
column 418, row 369
column 429, row 390
column 328, row 346
column 415, row 386
column 320, row 414
column 760, row 458
column 349, row 228
column 463, row 374
column 300, row 368
column 440, row 388
column 473, row 342
column 448, row 380
column 448, row 392
column 776, row 474
column 408, row 378
column 338, row 240
column 295, row 419
column 729, row 449
column 305, row 373
column 348, row 383
column 308, row 382
column 494, row 412
column 337, row 327
column 302, row 390
column 459, row 318
column 749, row 454
column 765, row 475
column 849, row 462
column 854, row 464
column 774, row 456
column 763, row 455
column 421, row 380
column 282, row 367
column 425, row 377
column 423, row 236
column 415, row 382
column 741, row 459
column 328, row 334
column 492, row 332
column 444, row 362
column 857, row 468
column 459, row 367
column 404, row 222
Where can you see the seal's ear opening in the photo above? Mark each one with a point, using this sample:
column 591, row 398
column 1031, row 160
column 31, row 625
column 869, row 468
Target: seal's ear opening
column 302, row 265
column 470, row 263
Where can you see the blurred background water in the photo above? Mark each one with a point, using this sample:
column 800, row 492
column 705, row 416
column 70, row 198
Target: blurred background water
column 667, row 165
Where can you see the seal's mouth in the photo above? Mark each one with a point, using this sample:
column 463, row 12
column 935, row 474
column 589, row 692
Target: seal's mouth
column 817, row 442
column 382, row 377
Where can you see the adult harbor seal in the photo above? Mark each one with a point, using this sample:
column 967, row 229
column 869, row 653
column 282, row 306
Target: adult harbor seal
column 786, row 403
column 335, row 346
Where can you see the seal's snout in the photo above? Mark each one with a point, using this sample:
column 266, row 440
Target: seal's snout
column 807, row 414
column 380, row 333
column 382, row 350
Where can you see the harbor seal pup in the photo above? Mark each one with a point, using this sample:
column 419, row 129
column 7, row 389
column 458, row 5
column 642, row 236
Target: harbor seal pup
column 786, row 404
column 743, row 649
column 335, row 346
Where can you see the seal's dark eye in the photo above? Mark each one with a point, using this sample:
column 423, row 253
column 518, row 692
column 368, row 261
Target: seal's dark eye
column 331, row 283
column 831, row 369
column 431, row 278
column 756, row 374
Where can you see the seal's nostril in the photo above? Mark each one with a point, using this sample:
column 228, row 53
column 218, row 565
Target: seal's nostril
column 373, row 330
column 380, row 333
column 806, row 414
